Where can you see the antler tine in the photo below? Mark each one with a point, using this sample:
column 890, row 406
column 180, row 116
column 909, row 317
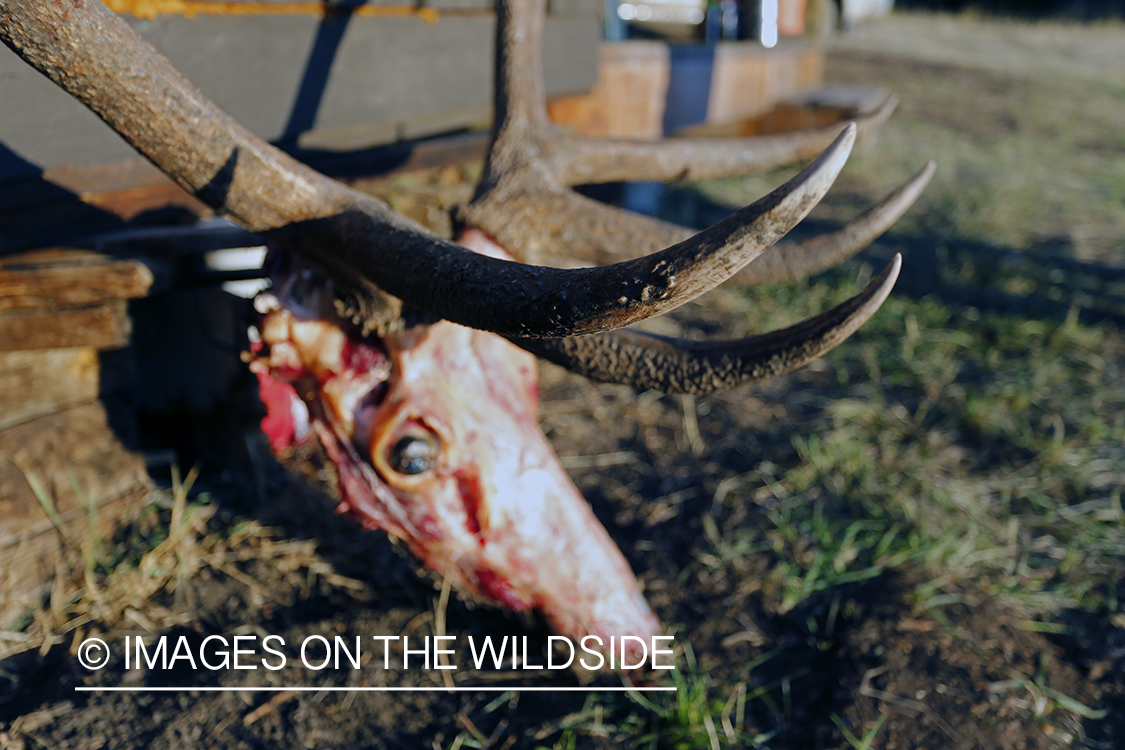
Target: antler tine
column 523, row 139
column 599, row 234
column 646, row 361
column 523, row 202
column 519, row 98
column 574, row 160
column 794, row 260
column 97, row 58
column 680, row 366
column 563, row 228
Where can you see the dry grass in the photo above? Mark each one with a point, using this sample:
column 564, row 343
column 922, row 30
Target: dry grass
column 146, row 577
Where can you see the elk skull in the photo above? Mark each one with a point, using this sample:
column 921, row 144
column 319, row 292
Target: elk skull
column 432, row 426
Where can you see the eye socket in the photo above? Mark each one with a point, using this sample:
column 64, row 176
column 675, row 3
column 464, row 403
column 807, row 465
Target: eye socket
column 413, row 454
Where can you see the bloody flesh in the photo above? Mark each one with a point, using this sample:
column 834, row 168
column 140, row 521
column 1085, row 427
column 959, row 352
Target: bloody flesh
column 485, row 502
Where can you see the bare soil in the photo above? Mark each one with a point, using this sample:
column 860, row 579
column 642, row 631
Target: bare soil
column 967, row 674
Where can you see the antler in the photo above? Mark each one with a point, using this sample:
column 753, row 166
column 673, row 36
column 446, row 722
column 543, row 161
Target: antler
column 97, row 58
column 432, row 428
column 524, row 203
column 673, row 365
column 793, row 261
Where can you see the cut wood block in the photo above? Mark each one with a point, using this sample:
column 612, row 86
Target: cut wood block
column 782, row 119
column 35, row 384
column 76, row 459
column 63, row 297
column 814, row 108
column 62, row 277
column 646, row 89
column 748, row 80
column 628, row 99
column 105, row 326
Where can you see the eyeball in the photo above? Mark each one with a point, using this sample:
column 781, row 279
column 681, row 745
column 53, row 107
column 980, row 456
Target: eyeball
column 413, row 454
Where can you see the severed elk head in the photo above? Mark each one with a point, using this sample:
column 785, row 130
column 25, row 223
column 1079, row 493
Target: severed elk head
column 409, row 358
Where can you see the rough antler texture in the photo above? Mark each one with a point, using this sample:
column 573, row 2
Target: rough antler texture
column 682, row 366
column 522, row 200
column 434, row 436
column 92, row 54
column 524, row 204
column 431, row 426
column 793, row 261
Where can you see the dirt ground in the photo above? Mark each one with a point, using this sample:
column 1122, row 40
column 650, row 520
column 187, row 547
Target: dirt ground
column 965, row 674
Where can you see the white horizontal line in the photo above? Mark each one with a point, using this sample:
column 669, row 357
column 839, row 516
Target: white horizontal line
column 306, row 689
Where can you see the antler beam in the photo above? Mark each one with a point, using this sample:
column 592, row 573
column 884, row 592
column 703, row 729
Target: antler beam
column 672, row 365
column 92, row 54
column 525, row 205
column 523, row 201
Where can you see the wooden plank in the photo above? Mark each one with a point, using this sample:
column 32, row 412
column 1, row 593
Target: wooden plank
column 814, row 108
column 63, row 277
column 288, row 77
column 70, row 182
column 749, row 80
column 69, row 450
column 38, row 383
column 105, row 326
column 628, row 99
column 646, row 89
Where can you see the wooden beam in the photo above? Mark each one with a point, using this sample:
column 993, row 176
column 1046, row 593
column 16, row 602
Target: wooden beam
column 105, row 326
column 35, row 384
column 62, row 278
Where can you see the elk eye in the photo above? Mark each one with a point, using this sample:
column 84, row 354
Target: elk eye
column 413, row 454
